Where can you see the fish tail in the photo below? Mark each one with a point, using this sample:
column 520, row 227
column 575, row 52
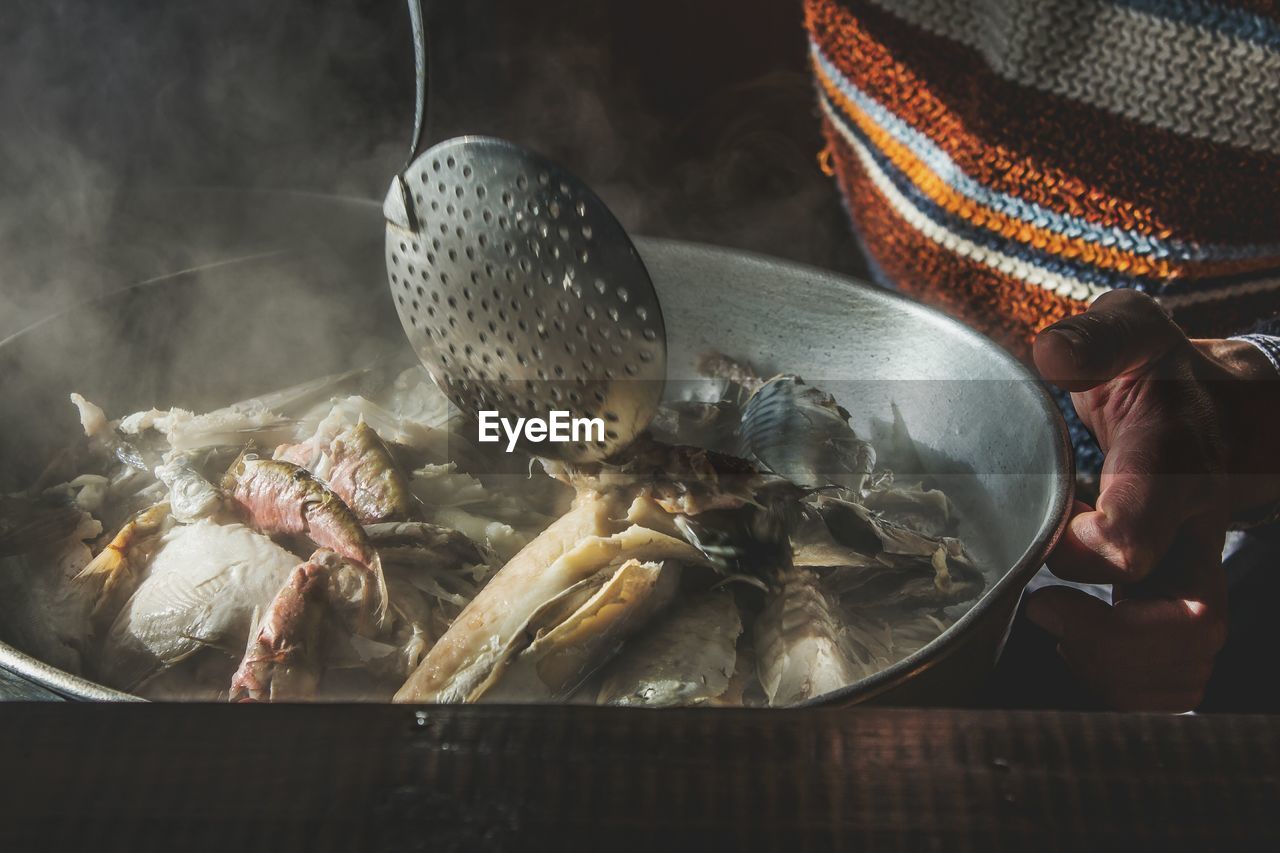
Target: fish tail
column 106, row 564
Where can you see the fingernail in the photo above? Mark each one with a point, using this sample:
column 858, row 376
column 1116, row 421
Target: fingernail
column 1073, row 337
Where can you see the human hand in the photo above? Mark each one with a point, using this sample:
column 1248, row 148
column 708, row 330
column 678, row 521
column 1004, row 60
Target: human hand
column 1185, row 440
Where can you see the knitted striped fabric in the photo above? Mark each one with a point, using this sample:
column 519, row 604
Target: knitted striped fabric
column 1010, row 160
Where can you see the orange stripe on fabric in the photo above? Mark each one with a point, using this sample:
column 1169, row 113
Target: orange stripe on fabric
column 873, row 69
column 940, row 192
column 999, row 305
column 1120, row 172
column 993, row 220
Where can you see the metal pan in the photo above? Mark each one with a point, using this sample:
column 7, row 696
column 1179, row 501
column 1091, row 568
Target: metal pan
column 982, row 427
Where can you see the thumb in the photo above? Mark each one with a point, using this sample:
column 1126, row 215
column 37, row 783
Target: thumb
column 1123, row 330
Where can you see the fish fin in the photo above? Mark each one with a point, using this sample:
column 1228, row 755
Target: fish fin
column 380, row 589
column 236, row 468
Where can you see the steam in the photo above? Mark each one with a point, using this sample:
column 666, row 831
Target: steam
column 107, row 108
column 102, row 99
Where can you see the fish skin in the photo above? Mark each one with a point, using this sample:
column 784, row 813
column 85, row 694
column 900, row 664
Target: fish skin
column 686, row 657
column 800, row 432
column 801, row 649
column 282, row 661
column 505, row 604
column 280, row 497
column 680, row 478
column 412, row 541
column 472, row 654
column 367, row 478
column 191, row 496
column 566, row 651
column 360, row 468
column 117, row 569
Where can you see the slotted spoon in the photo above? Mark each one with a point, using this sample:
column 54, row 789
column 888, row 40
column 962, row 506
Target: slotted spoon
column 518, row 288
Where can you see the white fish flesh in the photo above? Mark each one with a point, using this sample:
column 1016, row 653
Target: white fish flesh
column 686, row 657
column 602, row 612
column 469, row 657
column 201, row 590
column 191, row 496
column 232, row 426
column 803, row 649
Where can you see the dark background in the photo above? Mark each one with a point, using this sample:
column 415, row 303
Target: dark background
column 693, row 120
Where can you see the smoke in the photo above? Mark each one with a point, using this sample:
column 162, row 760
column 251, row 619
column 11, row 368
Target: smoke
column 692, row 122
column 103, row 101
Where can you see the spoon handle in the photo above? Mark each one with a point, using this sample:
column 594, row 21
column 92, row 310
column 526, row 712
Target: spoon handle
column 421, row 79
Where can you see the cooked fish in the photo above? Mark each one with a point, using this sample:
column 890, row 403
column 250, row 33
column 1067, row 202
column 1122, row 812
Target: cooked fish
column 926, row 511
column 115, row 572
column 470, row 657
column 441, row 572
column 422, row 433
column 43, row 610
column 686, row 657
column 280, row 497
column 419, row 541
column 495, row 517
column 186, row 431
column 733, row 371
column 467, row 653
column 313, row 635
column 749, row 542
column 191, row 496
column 572, row 637
column 357, row 465
column 802, row 647
column 682, row 479
column 201, row 589
column 106, row 437
column 282, row 662
column 423, row 559
column 713, row 425
column 917, row 569
column 799, row 432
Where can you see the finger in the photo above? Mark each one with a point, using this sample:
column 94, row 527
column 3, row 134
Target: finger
column 1153, row 479
column 1080, row 623
column 1150, row 632
column 1179, row 613
column 1074, row 560
column 1122, row 331
column 1189, row 588
column 1154, row 654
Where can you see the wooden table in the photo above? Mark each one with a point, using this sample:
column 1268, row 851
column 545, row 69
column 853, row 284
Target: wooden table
column 490, row 778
